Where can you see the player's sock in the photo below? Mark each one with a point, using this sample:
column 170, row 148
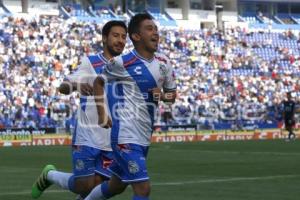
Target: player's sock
column 59, row 178
column 71, row 184
column 100, row 192
column 139, row 198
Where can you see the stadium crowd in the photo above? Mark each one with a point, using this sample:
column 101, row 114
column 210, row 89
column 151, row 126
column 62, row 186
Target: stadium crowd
column 222, row 76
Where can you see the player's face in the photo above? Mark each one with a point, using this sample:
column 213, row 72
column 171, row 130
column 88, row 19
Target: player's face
column 149, row 35
column 116, row 40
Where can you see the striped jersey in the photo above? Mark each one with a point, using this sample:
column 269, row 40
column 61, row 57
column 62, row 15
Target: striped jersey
column 87, row 131
column 134, row 108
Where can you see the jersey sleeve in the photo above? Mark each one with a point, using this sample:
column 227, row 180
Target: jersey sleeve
column 170, row 79
column 83, row 74
column 114, row 70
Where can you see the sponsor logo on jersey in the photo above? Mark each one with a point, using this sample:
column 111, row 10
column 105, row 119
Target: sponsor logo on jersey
column 138, row 70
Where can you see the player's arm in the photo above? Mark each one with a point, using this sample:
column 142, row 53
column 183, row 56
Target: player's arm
column 165, row 96
column 67, row 87
column 103, row 118
column 79, row 80
column 112, row 72
column 169, row 97
column 169, row 86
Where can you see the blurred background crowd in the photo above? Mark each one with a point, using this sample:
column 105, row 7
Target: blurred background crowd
column 229, row 79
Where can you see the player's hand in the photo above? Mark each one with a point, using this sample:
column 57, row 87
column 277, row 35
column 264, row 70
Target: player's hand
column 85, row 89
column 157, row 94
column 105, row 122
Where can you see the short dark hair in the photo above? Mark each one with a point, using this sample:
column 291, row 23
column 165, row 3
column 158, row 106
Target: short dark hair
column 135, row 22
column 107, row 27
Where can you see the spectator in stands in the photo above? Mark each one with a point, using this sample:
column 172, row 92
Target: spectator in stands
column 34, row 59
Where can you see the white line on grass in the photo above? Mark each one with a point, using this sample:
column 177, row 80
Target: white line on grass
column 235, row 152
column 236, row 179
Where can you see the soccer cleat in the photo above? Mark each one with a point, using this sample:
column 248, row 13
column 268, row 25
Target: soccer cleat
column 41, row 183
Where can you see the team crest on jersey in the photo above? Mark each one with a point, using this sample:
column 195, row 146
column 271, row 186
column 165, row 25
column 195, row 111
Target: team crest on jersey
column 79, row 164
column 133, row 167
column 162, row 69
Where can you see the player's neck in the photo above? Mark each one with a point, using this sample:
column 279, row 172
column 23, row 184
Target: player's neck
column 107, row 55
column 144, row 53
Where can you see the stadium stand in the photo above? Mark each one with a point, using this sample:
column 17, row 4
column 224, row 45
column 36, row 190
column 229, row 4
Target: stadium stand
column 229, row 79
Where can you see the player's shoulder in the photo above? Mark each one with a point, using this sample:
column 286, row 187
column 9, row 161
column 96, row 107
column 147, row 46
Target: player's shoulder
column 161, row 58
column 96, row 60
column 129, row 58
column 84, row 60
column 117, row 60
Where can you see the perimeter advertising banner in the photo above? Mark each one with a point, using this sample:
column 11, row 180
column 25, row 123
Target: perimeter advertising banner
column 25, row 137
column 221, row 136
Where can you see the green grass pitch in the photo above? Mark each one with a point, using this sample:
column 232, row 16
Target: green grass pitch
column 228, row 170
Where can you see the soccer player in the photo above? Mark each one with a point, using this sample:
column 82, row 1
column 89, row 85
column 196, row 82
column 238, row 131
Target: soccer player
column 91, row 148
column 139, row 75
column 289, row 115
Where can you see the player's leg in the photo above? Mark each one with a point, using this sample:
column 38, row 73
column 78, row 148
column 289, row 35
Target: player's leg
column 292, row 135
column 102, row 162
column 131, row 168
column 110, row 188
column 141, row 190
column 42, row 182
column 124, row 156
column 286, row 125
column 107, row 189
column 139, row 177
column 289, row 128
column 84, row 165
column 81, row 181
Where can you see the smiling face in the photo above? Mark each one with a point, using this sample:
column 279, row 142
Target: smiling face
column 143, row 32
column 149, row 35
column 115, row 41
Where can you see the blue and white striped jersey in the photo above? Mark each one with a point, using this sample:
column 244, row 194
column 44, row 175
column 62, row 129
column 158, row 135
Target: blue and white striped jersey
column 134, row 77
column 87, row 131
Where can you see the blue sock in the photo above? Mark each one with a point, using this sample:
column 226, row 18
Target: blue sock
column 105, row 190
column 71, row 183
column 139, row 198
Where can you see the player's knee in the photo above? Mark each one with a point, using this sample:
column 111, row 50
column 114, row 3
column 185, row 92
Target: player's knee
column 142, row 189
column 120, row 189
column 84, row 186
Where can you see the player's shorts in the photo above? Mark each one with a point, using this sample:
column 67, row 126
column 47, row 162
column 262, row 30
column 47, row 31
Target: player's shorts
column 289, row 122
column 88, row 160
column 130, row 162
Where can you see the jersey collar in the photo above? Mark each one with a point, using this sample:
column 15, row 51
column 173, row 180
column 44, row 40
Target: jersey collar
column 140, row 57
column 101, row 56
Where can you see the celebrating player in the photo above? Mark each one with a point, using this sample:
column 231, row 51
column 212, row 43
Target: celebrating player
column 91, row 152
column 140, row 75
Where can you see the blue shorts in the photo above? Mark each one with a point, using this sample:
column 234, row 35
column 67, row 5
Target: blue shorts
column 130, row 162
column 88, row 160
